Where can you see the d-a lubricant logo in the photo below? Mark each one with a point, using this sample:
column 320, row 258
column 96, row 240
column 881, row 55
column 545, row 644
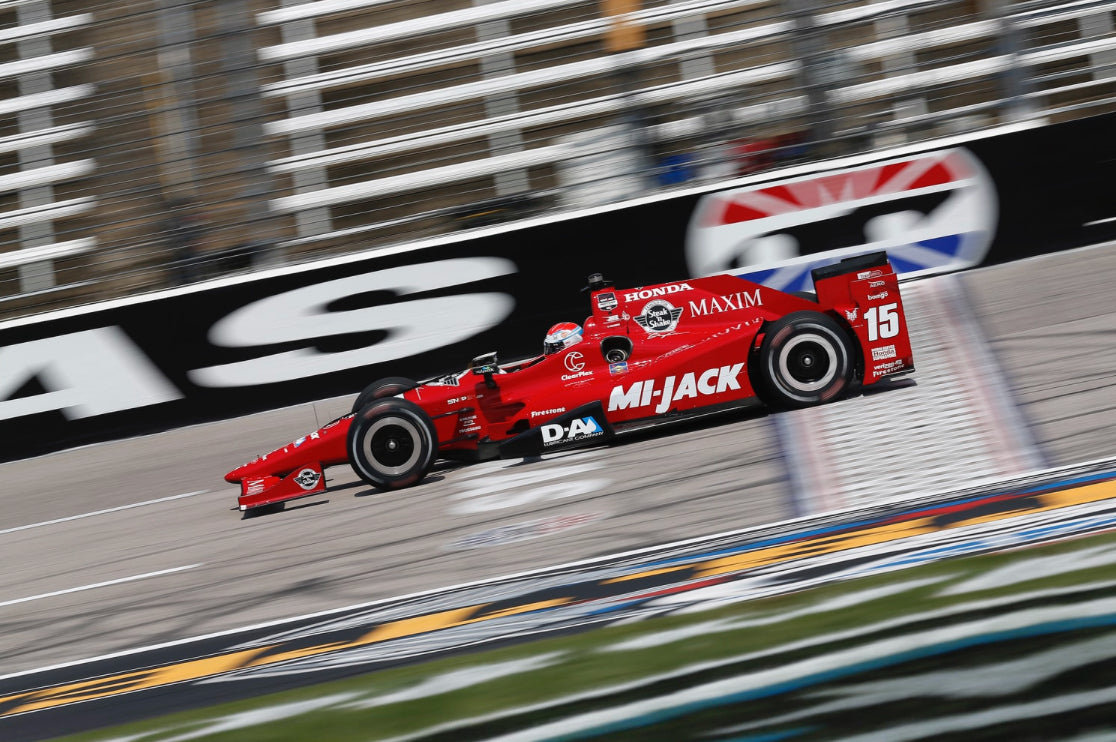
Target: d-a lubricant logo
column 932, row 212
column 578, row 430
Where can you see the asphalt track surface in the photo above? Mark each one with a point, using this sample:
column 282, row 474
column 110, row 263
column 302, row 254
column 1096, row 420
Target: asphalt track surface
column 135, row 543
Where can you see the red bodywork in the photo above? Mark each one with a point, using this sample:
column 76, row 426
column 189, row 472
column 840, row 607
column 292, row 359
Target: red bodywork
column 691, row 343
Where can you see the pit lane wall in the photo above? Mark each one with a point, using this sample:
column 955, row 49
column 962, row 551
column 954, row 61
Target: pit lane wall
column 292, row 335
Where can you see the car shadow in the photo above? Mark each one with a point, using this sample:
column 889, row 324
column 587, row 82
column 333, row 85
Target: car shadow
column 371, row 491
column 701, row 422
column 887, row 385
column 718, row 418
column 280, row 507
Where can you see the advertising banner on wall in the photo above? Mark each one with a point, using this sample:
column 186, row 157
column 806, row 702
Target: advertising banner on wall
column 931, row 212
column 233, row 347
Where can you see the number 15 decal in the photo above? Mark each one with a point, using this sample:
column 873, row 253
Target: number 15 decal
column 883, row 321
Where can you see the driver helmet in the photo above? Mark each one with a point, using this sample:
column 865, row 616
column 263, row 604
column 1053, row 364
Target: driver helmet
column 563, row 335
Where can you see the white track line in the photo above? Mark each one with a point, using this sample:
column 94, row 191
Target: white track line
column 101, row 512
column 133, row 578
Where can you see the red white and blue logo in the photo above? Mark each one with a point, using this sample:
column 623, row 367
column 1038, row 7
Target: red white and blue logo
column 931, row 212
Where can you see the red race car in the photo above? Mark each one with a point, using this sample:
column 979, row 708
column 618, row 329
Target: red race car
column 645, row 355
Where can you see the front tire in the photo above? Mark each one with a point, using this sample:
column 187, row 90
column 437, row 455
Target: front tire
column 806, row 358
column 388, row 387
column 391, row 443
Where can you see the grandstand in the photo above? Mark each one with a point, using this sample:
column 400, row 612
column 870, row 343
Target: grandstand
column 156, row 143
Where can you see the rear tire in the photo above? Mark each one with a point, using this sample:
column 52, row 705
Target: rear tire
column 388, row 387
column 391, row 443
column 806, row 358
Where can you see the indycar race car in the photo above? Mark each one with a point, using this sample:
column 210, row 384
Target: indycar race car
column 645, row 355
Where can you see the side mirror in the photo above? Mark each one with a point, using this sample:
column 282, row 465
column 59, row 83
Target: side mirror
column 485, row 365
column 596, row 282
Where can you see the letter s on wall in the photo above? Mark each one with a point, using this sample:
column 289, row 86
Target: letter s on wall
column 413, row 327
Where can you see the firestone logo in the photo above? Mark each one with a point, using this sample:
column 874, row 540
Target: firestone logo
column 884, row 369
column 690, row 386
column 673, row 288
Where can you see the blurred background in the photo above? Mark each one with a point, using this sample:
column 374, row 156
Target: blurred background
column 154, row 143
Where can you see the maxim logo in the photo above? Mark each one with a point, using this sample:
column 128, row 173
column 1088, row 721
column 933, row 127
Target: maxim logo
column 691, row 385
column 726, row 303
column 673, row 288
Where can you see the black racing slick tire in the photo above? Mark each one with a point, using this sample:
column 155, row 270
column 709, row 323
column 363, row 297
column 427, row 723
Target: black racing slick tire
column 806, row 358
column 388, row 387
column 391, row 443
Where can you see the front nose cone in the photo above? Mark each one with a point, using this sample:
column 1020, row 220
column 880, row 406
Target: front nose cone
column 241, row 472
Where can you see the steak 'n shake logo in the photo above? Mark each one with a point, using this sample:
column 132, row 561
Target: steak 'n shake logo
column 659, row 316
column 307, row 479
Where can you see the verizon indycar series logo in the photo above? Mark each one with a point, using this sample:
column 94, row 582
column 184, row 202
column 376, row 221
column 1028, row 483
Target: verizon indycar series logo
column 578, row 430
column 607, row 302
column 690, row 386
column 932, row 213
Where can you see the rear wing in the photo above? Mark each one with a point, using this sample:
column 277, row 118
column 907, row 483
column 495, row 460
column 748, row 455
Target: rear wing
column 864, row 291
column 860, row 264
